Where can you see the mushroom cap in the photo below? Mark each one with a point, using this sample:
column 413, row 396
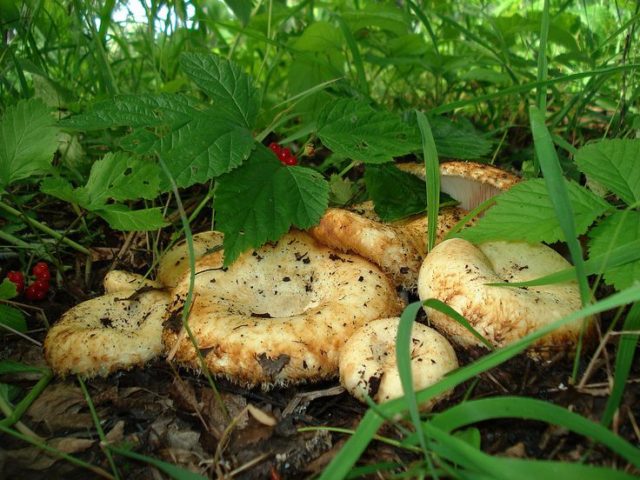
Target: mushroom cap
column 470, row 183
column 368, row 361
column 457, row 273
column 398, row 248
column 175, row 261
column 116, row 331
column 278, row 314
column 121, row 281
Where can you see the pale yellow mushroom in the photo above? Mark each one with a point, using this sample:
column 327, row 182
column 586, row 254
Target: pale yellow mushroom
column 368, row 365
column 279, row 314
column 175, row 261
column 469, row 183
column 116, row 331
column 458, row 273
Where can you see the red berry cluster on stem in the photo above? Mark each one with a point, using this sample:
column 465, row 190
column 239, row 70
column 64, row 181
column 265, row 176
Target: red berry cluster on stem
column 284, row 154
column 38, row 289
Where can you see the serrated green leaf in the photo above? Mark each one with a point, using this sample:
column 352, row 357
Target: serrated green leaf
column 525, row 213
column 207, row 147
column 28, row 139
column 12, row 318
column 340, row 190
column 231, row 89
column 457, row 139
column 615, row 231
column 141, row 141
column 352, row 128
column 60, row 188
column 120, row 217
column 395, row 194
column 613, row 164
column 134, row 111
column 8, row 289
column 120, row 177
column 263, row 199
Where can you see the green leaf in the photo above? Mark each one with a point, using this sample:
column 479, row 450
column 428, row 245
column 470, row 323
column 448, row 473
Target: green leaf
column 205, row 148
column 120, row 217
column 241, row 9
column 134, row 111
column 352, row 128
column 27, row 141
column 341, row 190
column 319, row 37
column 458, row 139
column 260, row 201
column 120, row 176
column 13, row 318
column 395, row 194
column 525, row 213
column 614, row 231
column 614, row 164
column 8, row 289
column 231, row 89
column 60, row 188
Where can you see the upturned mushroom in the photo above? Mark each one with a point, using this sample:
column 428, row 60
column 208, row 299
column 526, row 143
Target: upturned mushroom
column 116, row 331
column 470, row 183
column 368, row 364
column 279, row 314
column 459, row 273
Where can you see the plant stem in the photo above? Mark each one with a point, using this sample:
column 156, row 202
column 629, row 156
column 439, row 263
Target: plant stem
column 43, row 228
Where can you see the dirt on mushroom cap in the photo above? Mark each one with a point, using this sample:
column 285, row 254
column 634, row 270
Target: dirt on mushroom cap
column 278, row 314
column 368, row 361
column 117, row 331
column 457, row 273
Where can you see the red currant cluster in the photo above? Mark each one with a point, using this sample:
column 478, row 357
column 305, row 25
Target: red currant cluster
column 39, row 288
column 284, row 154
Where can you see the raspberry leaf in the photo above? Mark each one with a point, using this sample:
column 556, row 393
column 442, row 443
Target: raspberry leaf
column 354, row 129
column 231, row 90
column 620, row 229
column 525, row 213
column 28, row 140
column 273, row 198
column 614, row 164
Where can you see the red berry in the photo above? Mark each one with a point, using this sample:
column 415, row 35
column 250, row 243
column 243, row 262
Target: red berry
column 275, row 148
column 17, row 278
column 42, row 284
column 35, row 292
column 41, row 271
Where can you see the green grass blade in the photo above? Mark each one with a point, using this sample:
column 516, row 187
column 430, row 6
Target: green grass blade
column 427, row 24
column 474, row 411
column 403, row 353
column 447, row 310
column 371, row 422
column 432, row 178
column 527, row 87
column 171, row 470
column 624, row 360
column 481, row 465
column 542, row 57
column 556, row 186
column 361, row 78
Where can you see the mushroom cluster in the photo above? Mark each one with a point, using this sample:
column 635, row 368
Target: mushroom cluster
column 322, row 302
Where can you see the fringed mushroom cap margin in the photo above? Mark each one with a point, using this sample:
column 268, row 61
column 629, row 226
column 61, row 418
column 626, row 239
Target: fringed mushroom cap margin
column 278, row 314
